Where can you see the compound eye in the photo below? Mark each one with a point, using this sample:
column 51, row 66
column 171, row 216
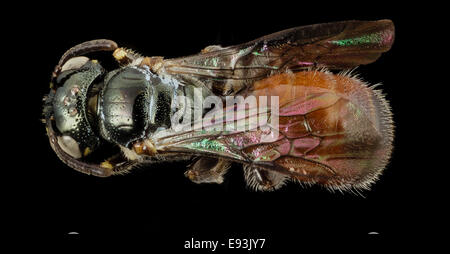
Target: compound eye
column 74, row 63
column 70, row 146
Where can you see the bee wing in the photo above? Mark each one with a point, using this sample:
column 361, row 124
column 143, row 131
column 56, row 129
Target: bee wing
column 242, row 134
column 337, row 45
column 336, row 133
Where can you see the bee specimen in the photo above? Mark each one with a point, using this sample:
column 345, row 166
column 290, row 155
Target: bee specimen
column 273, row 104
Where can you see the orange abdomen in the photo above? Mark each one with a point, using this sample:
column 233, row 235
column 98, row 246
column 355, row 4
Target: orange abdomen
column 334, row 129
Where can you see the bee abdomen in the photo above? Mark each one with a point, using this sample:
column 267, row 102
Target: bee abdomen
column 338, row 130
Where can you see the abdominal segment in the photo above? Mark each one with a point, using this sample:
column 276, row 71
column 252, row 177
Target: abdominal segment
column 332, row 130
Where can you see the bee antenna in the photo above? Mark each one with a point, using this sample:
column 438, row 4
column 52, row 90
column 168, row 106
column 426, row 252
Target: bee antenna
column 82, row 49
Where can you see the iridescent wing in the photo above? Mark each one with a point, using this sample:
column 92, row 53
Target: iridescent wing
column 338, row 45
column 331, row 129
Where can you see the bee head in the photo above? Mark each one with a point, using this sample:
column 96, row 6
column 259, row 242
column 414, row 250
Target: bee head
column 71, row 106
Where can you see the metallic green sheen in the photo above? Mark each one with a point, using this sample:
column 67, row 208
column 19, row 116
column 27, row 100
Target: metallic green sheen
column 211, row 145
column 365, row 39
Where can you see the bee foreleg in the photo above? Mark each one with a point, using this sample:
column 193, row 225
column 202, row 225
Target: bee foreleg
column 207, row 170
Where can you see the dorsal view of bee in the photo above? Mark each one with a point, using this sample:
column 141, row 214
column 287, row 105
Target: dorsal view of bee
column 286, row 106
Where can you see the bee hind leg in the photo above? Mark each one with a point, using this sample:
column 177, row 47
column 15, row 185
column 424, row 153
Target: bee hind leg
column 207, row 170
column 263, row 180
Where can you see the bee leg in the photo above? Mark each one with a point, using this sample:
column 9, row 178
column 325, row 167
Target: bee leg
column 207, row 170
column 116, row 165
column 262, row 179
column 126, row 56
column 154, row 63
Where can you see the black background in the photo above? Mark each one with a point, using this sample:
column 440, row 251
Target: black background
column 158, row 205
